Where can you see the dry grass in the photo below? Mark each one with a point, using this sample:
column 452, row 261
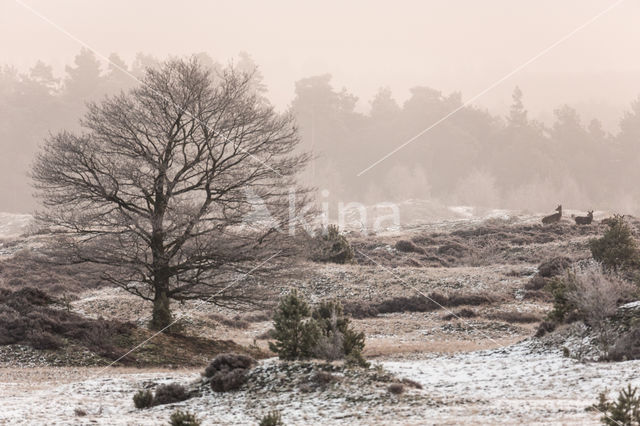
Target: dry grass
column 491, row 243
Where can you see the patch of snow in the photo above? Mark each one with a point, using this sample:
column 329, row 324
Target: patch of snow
column 13, row 225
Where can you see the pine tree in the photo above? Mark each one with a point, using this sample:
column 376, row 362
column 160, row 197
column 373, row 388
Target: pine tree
column 295, row 333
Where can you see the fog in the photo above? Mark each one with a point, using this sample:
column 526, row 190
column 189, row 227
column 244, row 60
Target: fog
column 363, row 78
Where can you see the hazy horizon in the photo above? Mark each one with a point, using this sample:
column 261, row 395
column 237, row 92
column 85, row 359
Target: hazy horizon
column 460, row 46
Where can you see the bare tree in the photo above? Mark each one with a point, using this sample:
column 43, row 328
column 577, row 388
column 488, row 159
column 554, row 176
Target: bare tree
column 159, row 186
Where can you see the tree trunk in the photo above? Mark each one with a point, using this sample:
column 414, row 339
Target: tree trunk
column 162, row 317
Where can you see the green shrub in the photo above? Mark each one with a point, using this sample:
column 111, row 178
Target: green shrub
column 617, row 248
column 183, row 418
column 337, row 339
column 331, row 246
column 324, row 333
column 295, row 333
column 623, row 412
column 559, row 288
column 143, row 399
column 272, row 419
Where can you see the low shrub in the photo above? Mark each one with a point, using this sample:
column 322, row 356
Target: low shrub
column 227, row 372
column 359, row 309
column 183, row 418
column 515, row 317
column 407, row 246
column 546, row 271
column 462, row 313
column 554, row 267
column 331, row 246
column 143, row 399
column 39, row 339
column 29, row 316
column 230, row 361
column 396, row 388
column 323, row 378
column 229, row 380
column 411, row 383
column 273, row 418
column 169, row 394
column 546, row 327
column 235, row 322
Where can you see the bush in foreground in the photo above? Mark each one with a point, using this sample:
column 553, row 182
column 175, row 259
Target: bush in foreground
column 143, row 399
column 165, row 394
column 227, row 372
column 169, row 394
column 183, row 418
column 625, row 411
column 271, row 419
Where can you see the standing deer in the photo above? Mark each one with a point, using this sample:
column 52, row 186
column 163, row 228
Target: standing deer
column 585, row 220
column 553, row 218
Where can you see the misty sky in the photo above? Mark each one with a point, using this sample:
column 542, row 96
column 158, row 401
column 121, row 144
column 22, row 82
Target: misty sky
column 364, row 44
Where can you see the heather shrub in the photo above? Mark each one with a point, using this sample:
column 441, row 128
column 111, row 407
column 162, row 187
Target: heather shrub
column 295, row 333
column 617, row 249
column 143, row 399
column 396, row 388
column 227, row 372
column 515, row 317
column 44, row 340
column 183, row 418
column 169, row 394
column 462, row 313
column 272, row 418
column 324, row 378
column 331, row 246
column 407, row 246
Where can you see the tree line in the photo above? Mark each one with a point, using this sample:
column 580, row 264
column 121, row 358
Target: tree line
column 472, row 158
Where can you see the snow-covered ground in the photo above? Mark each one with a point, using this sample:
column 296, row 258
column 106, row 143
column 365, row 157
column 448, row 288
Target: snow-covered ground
column 512, row 385
column 13, row 225
column 516, row 385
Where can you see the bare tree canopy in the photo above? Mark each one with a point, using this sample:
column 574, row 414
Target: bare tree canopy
column 160, row 184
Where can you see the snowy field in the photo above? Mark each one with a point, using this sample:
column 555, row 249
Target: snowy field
column 506, row 386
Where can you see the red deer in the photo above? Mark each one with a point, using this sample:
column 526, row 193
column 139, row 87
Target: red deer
column 553, row 218
column 585, row 220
